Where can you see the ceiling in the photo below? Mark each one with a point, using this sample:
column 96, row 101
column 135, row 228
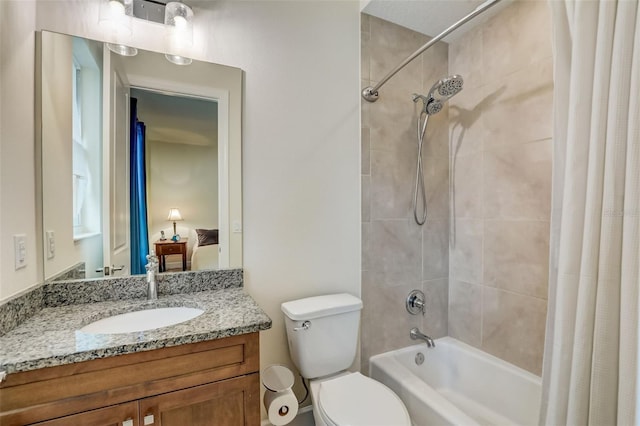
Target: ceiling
column 177, row 119
column 429, row 17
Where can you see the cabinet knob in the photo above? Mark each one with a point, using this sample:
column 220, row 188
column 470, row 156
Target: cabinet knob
column 128, row 422
column 148, row 419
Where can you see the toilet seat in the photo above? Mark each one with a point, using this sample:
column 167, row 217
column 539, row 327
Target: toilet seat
column 356, row 400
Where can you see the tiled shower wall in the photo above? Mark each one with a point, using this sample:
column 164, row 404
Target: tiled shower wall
column 398, row 255
column 500, row 130
column 485, row 270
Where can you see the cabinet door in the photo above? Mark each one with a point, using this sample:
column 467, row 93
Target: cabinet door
column 228, row 402
column 116, row 415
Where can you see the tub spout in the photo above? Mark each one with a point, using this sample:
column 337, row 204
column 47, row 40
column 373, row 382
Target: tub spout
column 415, row 334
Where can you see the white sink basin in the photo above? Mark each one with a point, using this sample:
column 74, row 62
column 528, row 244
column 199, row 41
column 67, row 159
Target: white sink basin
column 147, row 319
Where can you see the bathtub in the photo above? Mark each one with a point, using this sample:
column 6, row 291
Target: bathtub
column 459, row 385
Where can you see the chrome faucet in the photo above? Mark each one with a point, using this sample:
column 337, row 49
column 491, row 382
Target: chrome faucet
column 152, row 267
column 415, row 334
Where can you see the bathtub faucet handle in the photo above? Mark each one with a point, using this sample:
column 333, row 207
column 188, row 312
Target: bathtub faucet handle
column 416, row 302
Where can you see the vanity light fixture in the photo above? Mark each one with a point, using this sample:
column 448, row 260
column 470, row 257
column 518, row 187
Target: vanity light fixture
column 178, row 17
column 117, row 14
column 174, row 215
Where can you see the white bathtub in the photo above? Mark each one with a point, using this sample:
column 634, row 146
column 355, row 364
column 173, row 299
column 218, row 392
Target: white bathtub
column 459, row 385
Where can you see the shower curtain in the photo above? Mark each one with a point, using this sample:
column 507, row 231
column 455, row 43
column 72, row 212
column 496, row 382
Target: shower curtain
column 138, row 193
column 590, row 373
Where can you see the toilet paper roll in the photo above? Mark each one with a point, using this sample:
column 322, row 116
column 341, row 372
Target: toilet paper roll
column 282, row 406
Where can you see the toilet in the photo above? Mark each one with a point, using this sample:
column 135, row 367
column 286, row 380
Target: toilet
column 322, row 332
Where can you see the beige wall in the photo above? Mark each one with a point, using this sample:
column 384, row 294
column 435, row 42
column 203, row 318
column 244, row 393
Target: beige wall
column 500, row 129
column 398, row 255
column 183, row 176
column 17, row 181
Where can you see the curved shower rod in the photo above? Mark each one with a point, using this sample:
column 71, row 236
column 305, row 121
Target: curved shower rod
column 371, row 93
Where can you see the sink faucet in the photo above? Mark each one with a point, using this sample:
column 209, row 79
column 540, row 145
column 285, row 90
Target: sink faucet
column 152, row 267
column 415, row 334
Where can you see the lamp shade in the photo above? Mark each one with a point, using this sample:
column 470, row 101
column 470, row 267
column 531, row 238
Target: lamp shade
column 178, row 19
column 116, row 18
column 174, row 214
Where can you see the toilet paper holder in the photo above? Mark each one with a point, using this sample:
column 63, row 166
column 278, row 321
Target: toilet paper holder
column 279, row 400
column 277, row 378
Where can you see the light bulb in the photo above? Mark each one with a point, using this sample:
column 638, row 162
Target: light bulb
column 179, row 21
column 117, row 7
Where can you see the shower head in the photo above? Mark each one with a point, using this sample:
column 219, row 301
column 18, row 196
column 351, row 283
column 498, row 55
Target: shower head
column 447, row 87
column 440, row 92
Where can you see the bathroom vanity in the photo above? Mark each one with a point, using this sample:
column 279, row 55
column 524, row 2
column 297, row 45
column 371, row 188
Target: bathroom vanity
column 201, row 371
column 183, row 385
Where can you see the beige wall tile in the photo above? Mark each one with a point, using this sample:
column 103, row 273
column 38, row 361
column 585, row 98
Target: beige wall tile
column 466, row 121
column 436, row 184
column 516, row 256
column 465, row 252
column 435, row 320
column 366, row 246
column 513, row 328
column 365, row 55
column 391, row 44
column 517, row 181
column 393, row 125
column 435, row 249
column 436, row 138
column 392, row 244
column 498, row 132
column 434, row 65
column 365, row 107
column 465, row 58
column 465, row 312
column 520, row 106
column 385, row 320
column 392, row 175
column 366, row 198
column 365, row 151
column 467, row 189
column 515, row 38
column 395, row 251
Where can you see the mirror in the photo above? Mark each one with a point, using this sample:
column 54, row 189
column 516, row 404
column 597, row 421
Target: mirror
column 137, row 154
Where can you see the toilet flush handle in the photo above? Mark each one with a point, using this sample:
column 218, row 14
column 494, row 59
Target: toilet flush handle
column 305, row 326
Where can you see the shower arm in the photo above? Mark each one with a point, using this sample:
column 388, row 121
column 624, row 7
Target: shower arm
column 371, row 93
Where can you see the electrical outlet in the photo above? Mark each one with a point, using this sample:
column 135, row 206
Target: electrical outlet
column 20, row 250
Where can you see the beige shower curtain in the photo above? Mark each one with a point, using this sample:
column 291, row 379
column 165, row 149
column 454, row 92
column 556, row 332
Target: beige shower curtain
column 590, row 374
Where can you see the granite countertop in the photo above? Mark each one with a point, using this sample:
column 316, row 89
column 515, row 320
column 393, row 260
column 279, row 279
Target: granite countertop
column 52, row 337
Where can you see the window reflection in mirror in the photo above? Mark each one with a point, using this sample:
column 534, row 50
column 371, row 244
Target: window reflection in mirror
column 94, row 106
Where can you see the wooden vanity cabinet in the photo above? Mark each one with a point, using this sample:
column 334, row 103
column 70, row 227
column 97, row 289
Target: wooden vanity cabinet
column 208, row 383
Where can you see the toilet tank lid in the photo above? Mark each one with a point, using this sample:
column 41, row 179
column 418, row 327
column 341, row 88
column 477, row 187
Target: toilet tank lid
column 321, row 306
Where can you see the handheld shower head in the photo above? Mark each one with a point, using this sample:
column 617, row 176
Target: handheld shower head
column 447, row 87
column 440, row 92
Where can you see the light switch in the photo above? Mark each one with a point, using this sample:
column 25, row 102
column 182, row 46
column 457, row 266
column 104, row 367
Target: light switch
column 20, row 250
column 236, row 226
column 51, row 245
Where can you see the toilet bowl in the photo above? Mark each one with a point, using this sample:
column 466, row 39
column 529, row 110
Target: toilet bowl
column 356, row 400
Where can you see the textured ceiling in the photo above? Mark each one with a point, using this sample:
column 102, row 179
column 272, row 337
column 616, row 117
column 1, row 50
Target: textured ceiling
column 430, row 17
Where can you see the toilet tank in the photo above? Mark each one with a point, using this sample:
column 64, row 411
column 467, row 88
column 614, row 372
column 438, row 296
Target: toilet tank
column 329, row 344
